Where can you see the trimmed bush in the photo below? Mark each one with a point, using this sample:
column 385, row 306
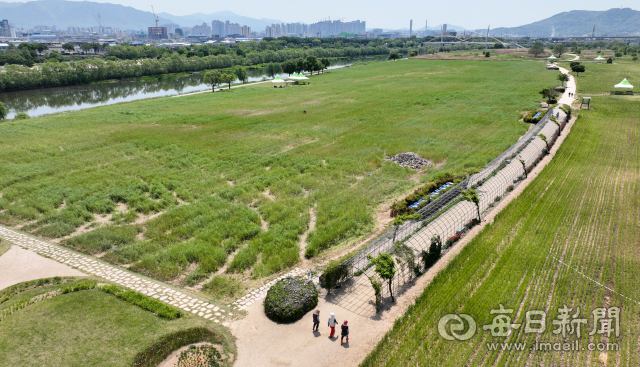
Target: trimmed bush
column 289, row 299
column 144, row 302
column 158, row 351
column 78, row 287
column 529, row 117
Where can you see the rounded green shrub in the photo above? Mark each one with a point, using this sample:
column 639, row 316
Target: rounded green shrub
column 289, row 299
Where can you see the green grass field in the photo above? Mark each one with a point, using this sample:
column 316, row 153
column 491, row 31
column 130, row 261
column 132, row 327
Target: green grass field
column 85, row 328
column 205, row 162
column 583, row 209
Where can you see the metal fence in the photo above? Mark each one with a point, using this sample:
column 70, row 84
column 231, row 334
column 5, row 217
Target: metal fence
column 448, row 215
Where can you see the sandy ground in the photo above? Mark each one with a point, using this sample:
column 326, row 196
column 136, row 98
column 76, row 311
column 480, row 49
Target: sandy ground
column 19, row 265
column 261, row 342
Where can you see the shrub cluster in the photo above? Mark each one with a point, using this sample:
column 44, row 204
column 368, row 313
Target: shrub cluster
column 402, row 207
column 78, row 287
column 144, row 302
column 289, row 299
column 529, row 117
column 158, row 351
column 405, row 217
column 334, row 274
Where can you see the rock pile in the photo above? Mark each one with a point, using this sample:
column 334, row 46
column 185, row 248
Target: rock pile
column 411, row 160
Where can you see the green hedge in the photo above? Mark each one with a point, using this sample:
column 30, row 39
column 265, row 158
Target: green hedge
column 158, row 351
column 7, row 293
column 142, row 301
column 79, row 287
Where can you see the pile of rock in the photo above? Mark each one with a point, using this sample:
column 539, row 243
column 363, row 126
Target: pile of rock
column 411, row 160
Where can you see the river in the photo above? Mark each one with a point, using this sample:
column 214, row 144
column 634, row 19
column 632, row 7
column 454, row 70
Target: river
column 44, row 101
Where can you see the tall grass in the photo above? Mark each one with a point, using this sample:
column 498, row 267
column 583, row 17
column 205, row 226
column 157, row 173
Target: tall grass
column 219, row 153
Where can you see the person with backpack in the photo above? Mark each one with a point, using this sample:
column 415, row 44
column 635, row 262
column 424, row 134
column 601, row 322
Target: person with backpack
column 332, row 324
column 316, row 320
column 345, row 331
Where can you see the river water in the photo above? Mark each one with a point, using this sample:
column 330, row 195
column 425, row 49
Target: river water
column 39, row 102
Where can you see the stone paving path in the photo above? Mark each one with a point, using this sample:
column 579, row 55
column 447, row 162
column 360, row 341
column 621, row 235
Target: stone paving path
column 118, row 276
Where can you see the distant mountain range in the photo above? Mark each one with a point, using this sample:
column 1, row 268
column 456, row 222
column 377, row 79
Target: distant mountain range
column 612, row 22
column 63, row 14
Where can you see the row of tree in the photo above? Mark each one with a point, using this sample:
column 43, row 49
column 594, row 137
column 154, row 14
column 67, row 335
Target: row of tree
column 56, row 74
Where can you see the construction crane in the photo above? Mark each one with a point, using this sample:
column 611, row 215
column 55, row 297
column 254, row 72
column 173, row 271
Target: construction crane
column 155, row 17
column 97, row 18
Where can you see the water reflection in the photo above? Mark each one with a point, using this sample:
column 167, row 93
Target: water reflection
column 50, row 100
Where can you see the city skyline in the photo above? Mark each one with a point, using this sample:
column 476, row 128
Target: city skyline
column 378, row 14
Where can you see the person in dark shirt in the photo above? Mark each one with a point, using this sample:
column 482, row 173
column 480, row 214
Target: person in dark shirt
column 345, row 331
column 316, row 320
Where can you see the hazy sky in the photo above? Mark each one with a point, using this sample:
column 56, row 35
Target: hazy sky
column 471, row 14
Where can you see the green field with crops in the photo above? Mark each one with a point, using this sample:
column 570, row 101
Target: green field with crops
column 171, row 187
column 571, row 238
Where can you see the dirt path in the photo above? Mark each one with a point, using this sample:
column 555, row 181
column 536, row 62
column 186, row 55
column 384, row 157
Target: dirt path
column 18, row 265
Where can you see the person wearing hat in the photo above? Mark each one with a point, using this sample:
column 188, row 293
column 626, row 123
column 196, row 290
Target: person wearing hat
column 345, row 331
column 316, row 320
column 332, row 324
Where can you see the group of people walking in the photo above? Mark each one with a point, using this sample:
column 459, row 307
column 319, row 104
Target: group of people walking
column 332, row 325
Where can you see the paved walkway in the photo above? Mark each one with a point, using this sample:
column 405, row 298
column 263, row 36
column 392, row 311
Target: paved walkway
column 119, row 276
column 19, row 265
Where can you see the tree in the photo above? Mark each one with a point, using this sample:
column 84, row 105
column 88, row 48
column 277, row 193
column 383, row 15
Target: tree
column 394, row 56
column 241, row 74
column 413, row 53
column 227, row 78
column 289, row 67
column 213, row 78
column 69, row 47
column 573, row 63
column 563, row 78
column 311, row 64
column 635, row 58
column 488, row 54
column 537, row 48
column 273, row 68
column 498, row 45
column 472, row 196
column 578, row 69
column 385, row 268
column 435, row 251
column 3, row 111
column 85, row 47
column 559, row 49
column 549, row 93
column 325, row 63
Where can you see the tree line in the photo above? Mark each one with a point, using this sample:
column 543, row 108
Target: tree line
column 56, row 74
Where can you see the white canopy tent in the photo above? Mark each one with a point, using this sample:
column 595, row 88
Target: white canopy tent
column 278, row 82
column 599, row 58
column 624, row 84
column 552, row 57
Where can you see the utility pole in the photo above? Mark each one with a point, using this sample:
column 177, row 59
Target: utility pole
column 486, row 38
column 410, row 27
column 426, row 28
column 593, row 32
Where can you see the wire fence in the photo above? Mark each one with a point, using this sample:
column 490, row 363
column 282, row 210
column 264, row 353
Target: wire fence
column 448, row 215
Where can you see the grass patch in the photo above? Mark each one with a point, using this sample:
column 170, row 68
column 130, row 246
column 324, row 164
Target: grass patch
column 88, row 328
column 224, row 286
column 212, row 150
column 4, row 246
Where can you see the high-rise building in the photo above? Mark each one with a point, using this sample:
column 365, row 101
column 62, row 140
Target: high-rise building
column 201, row 30
column 327, row 28
column 5, row 28
column 218, row 29
column 158, row 33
